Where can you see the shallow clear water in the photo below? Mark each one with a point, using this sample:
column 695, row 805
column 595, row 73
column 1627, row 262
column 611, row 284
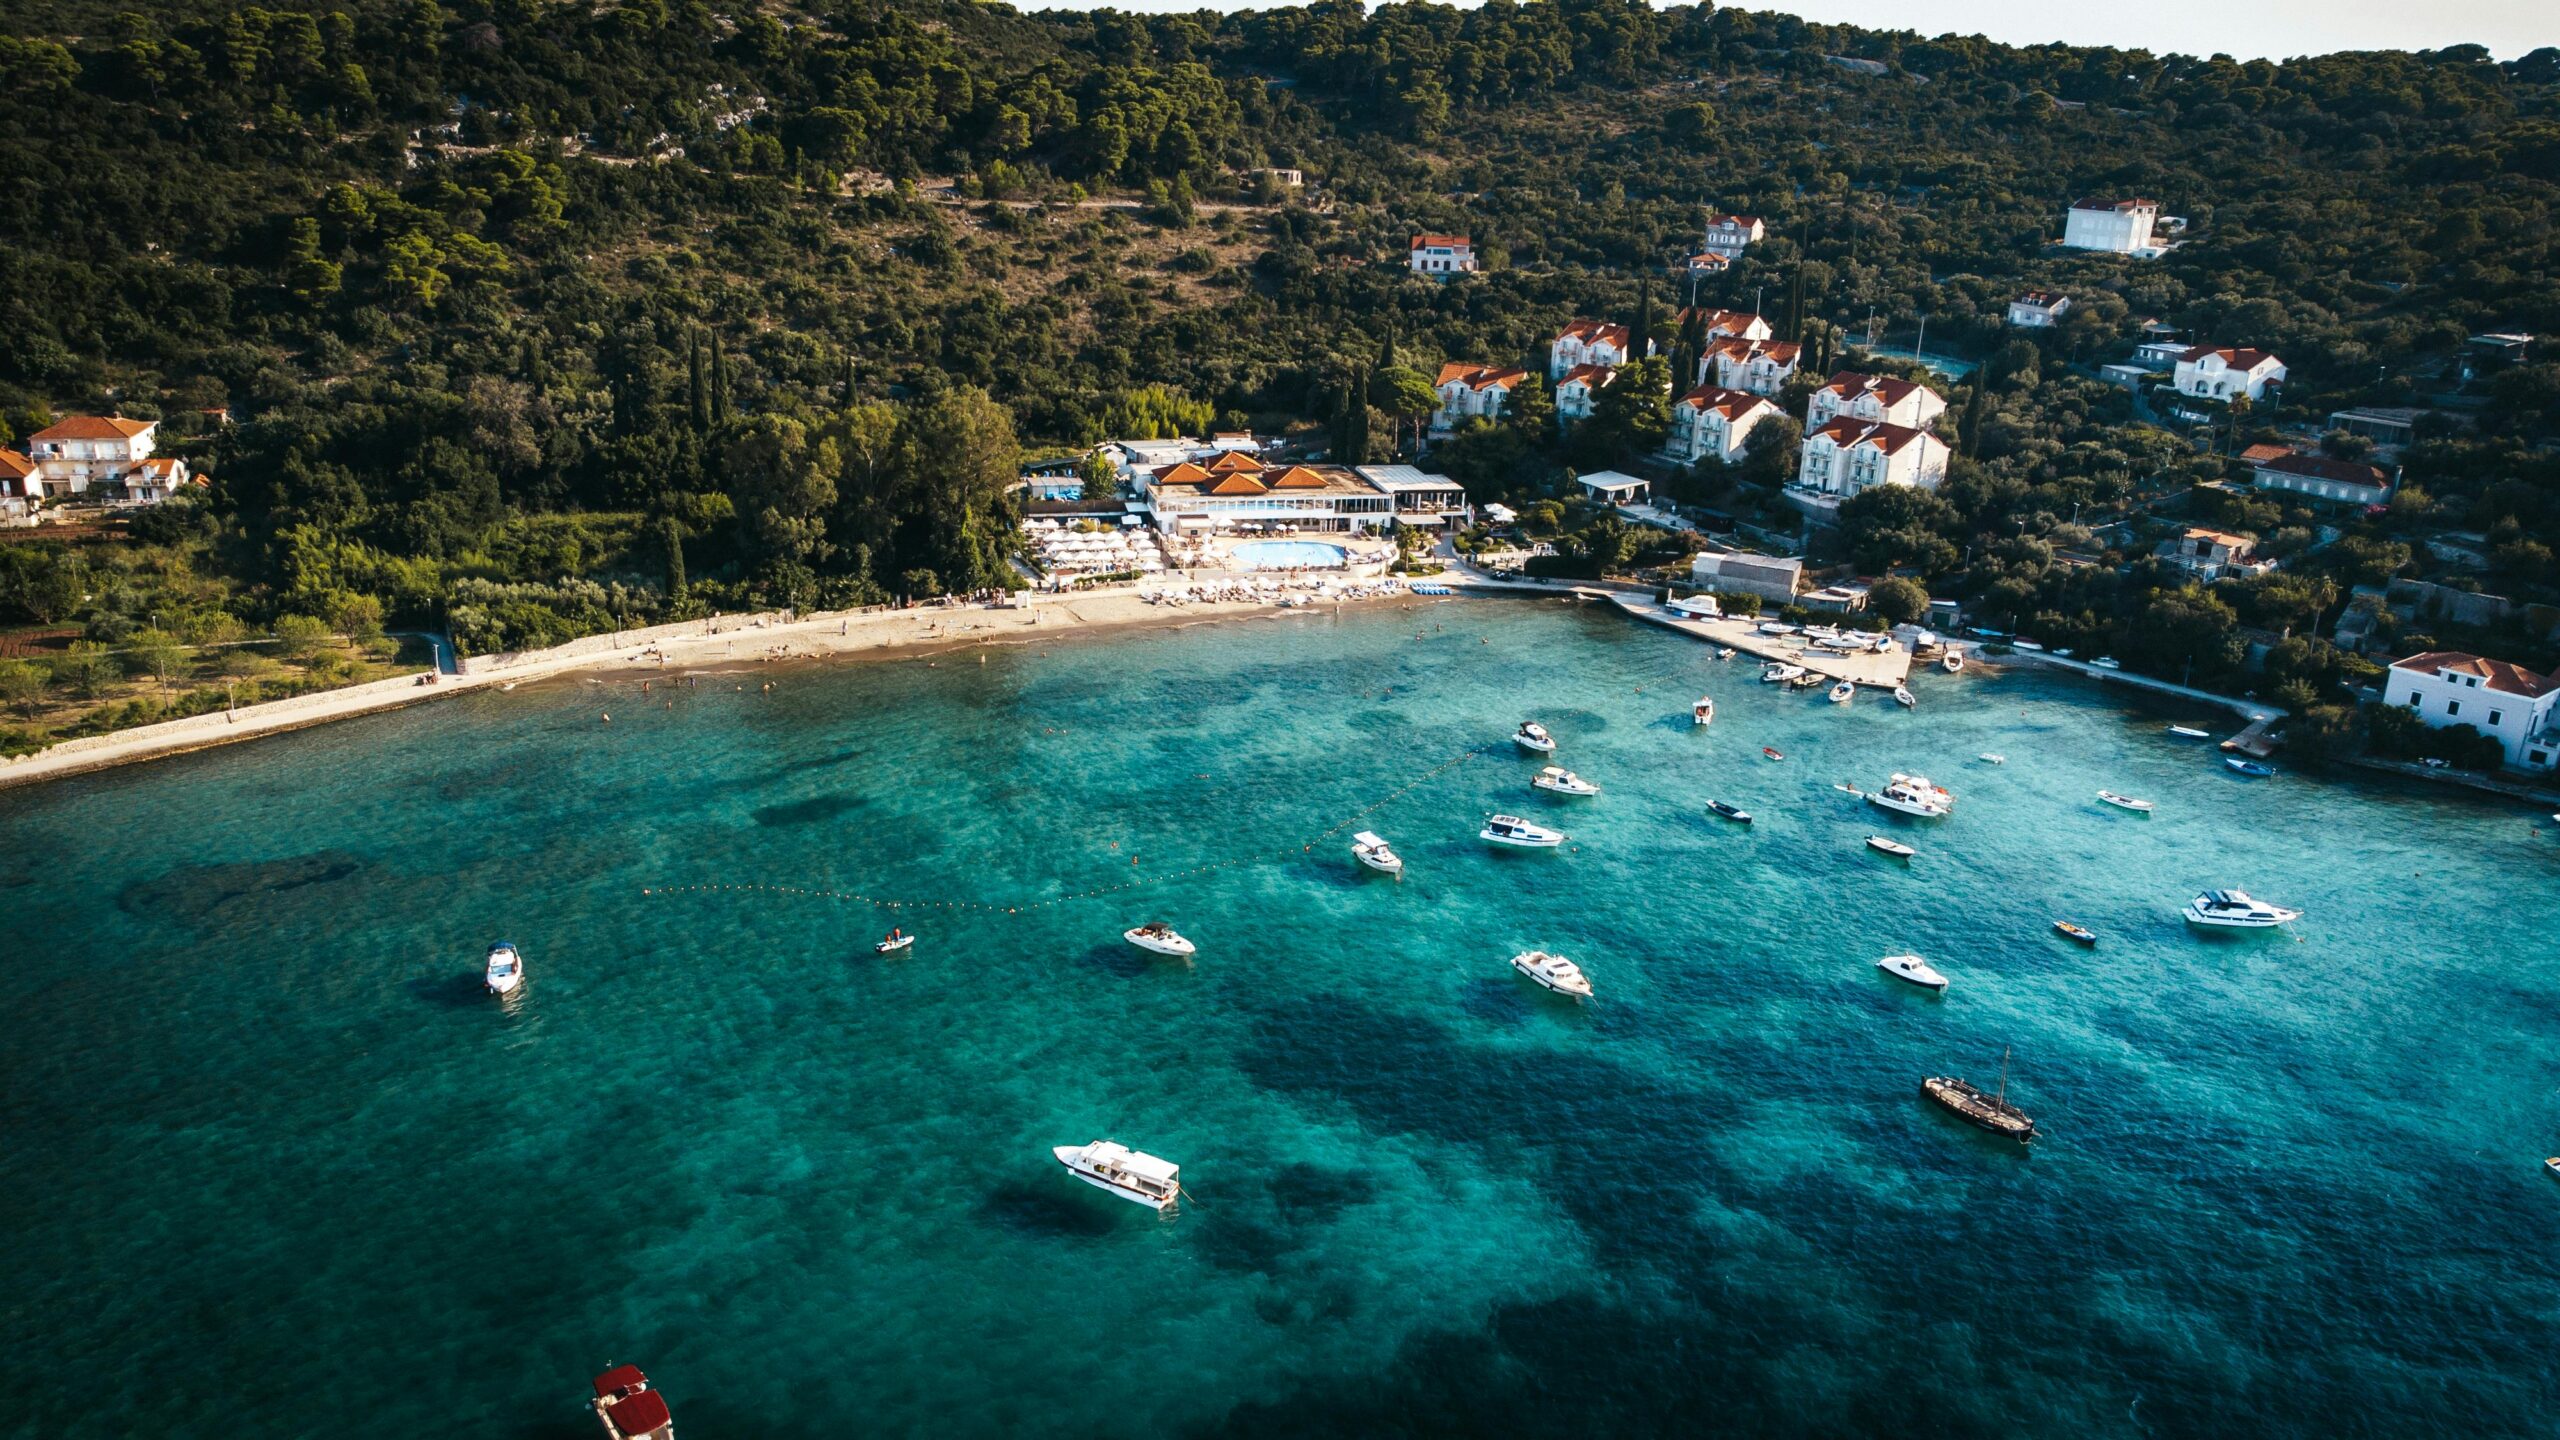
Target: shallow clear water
column 1287, row 554
column 274, row 1165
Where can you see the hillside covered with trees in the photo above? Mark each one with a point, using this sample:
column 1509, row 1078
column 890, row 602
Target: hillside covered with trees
column 532, row 318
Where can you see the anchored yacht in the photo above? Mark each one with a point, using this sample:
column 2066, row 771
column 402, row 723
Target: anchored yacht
column 2234, row 910
column 1373, row 852
column 1130, row 1174
column 1159, row 937
column 1914, row 795
column 505, row 970
column 1563, row 782
column 1554, row 972
column 1533, row 736
column 1913, row 969
column 1512, row 830
column 1992, row 1112
column 630, row 1407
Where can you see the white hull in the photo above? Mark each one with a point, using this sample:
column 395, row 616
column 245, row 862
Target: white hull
column 1904, row 698
column 506, row 984
column 1907, row 807
column 1553, row 973
column 1954, row 663
column 1538, row 744
column 891, row 947
column 1565, row 783
column 1843, row 692
column 1072, row 1157
column 1383, row 864
column 2227, row 922
column 1913, row 969
column 1547, row 842
column 1160, row 944
column 1703, row 713
column 2237, row 912
column 1882, row 846
column 2126, row 802
column 504, row 973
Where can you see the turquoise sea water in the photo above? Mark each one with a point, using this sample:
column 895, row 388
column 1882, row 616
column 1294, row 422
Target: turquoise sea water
column 273, row 1165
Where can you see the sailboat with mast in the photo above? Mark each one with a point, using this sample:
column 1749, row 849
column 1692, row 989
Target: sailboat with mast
column 1991, row 1112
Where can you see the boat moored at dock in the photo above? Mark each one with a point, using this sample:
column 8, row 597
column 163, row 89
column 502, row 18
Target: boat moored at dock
column 1780, row 673
column 2236, row 910
column 505, row 969
column 1160, row 938
column 1133, row 1175
column 1914, row 969
column 1563, row 782
column 1952, row 662
column 1512, row 830
column 1843, row 693
column 1554, row 972
column 631, row 1407
column 1372, row 851
column 1903, row 697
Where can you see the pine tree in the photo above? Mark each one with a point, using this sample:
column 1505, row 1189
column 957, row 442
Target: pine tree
column 1640, row 335
column 1387, row 352
column 698, row 387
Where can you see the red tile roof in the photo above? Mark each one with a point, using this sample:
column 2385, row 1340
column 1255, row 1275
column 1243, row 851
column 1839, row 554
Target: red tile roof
column 1782, row 353
column 1718, row 322
column 2237, row 359
column 2266, row 452
column 1595, row 332
column 1480, row 377
column 14, row 466
column 1732, row 404
column 1298, row 477
column 2041, row 299
column 1457, row 241
column 1594, row 376
column 2321, row 467
column 1188, row 472
column 2496, row 674
column 1848, row 430
column 1239, row 485
column 1891, row 390
column 93, row 427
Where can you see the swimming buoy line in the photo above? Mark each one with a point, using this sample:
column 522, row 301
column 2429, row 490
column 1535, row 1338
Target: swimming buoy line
column 989, row 907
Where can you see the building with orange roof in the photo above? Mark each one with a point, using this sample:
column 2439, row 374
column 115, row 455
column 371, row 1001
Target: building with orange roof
column 1586, row 343
column 1443, row 257
column 1578, row 389
column 2213, row 554
column 1762, row 367
column 1712, row 422
column 1187, row 501
column 1888, row 399
column 1850, row 456
column 84, row 450
column 2506, row 702
column 1472, row 392
column 2227, row 372
column 21, row 485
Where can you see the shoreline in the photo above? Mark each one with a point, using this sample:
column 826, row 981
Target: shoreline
column 922, row 633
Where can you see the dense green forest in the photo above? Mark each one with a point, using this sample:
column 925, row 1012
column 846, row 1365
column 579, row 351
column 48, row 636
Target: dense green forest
column 533, row 318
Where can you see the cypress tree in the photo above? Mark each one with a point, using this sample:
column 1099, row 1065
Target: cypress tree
column 698, row 388
column 719, row 382
column 1640, row 335
column 671, row 535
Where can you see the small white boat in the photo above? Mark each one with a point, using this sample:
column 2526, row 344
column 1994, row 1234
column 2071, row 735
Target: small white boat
column 893, row 942
column 1988, row 758
column 1554, row 972
column 1894, row 848
column 1160, row 938
column 1725, row 654
column 1780, row 673
column 2125, row 802
column 1533, row 736
column 2108, row 662
column 1953, row 663
column 1914, row 795
column 2029, row 645
column 1130, row 1174
column 1563, row 782
column 1902, row 696
column 1843, row 692
column 1703, row 713
column 1730, row 811
column 2235, row 910
column 505, row 970
column 2552, row 1164
column 2189, row 732
column 1512, row 830
column 1772, row 627
column 1373, row 852
column 1913, row 969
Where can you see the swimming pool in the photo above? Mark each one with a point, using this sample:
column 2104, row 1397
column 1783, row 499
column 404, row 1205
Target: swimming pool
column 1288, row 554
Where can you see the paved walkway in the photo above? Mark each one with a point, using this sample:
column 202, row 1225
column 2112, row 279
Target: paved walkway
column 1884, row 670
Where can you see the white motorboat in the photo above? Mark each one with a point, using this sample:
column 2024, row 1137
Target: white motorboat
column 2108, row 662
column 2125, row 802
column 2028, row 645
column 1512, row 830
column 505, row 970
column 1913, row 969
column 1780, row 673
column 1988, row 758
column 1894, row 848
column 1533, row 736
column 1554, row 972
column 1953, row 662
column 1725, row 653
column 2189, row 732
column 1903, row 697
column 893, row 942
column 1373, row 852
column 1563, row 782
column 1772, row 627
column 1914, row 795
column 1843, row 692
column 2552, row 1164
column 1130, row 1174
column 1160, row 938
column 1703, row 713
column 2235, row 910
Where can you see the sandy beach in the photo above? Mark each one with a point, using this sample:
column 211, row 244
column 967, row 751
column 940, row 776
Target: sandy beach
column 722, row 641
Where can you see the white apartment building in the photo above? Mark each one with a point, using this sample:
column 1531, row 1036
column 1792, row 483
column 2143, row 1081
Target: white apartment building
column 1850, row 455
column 1472, row 391
column 1730, row 235
column 2121, row 226
column 87, row 450
column 2038, row 310
column 2346, row 482
column 1881, row 398
column 2508, row 703
column 1584, row 343
column 1442, row 256
column 1714, row 422
column 2224, row 372
column 1762, row 367
column 1578, row 389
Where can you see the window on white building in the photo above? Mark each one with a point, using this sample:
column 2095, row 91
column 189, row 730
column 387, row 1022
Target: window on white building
column 2495, row 716
column 2453, row 707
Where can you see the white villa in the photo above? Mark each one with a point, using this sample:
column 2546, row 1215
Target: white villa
column 86, row 450
column 1469, row 391
column 2347, row 482
column 1442, row 256
column 2038, row 309
column 1576, row 391
column 1730, row 235
column 1712, row 421
column 2210, row 372
column 2508, row 703
column 1719, row 324
column 1759, row 366
column 1585, row 343
column 1615, row 487
column 2213, row 554
column 1707, row 264
column 1880, row 398
column 2121, row 226
column 20, row 485
column 1849, row 455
